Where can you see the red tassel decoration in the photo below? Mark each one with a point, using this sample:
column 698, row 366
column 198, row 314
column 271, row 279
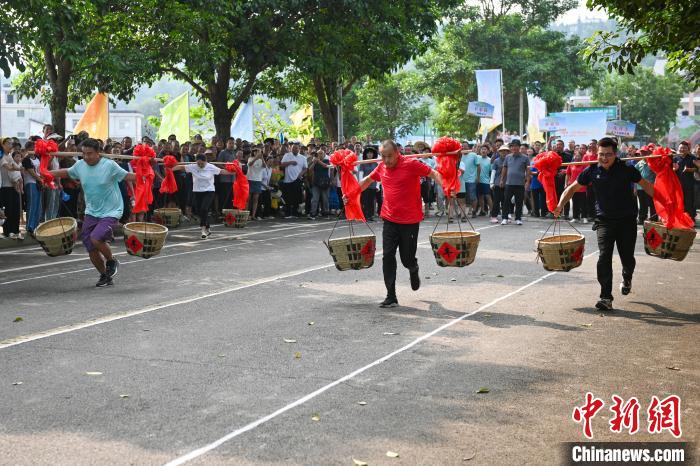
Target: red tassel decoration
column 169, row 185
column 144, row 177
column 44, row 149
column 668, row 194
column 345, row 160
column 547, row 165
column 447, row 164
column 240, row 185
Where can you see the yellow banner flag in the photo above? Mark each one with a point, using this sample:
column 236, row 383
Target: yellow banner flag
column 303, row 121
column 95, row 120
column 176, row 118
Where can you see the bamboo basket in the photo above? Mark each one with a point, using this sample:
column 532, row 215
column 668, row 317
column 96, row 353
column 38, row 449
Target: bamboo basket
column 235, row 218
column 58, row 236
column 352, row 252
column 144, row 239
column 663, row 243
column 167, row 216
column 561, row 253
column 455, row 248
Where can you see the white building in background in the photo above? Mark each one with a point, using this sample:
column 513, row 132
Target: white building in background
column 23, row 118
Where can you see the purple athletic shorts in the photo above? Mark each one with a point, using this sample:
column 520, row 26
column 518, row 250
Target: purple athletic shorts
column 100, row 229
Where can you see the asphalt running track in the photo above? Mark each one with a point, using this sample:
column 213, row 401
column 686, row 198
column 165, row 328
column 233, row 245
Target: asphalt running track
column 250, row 348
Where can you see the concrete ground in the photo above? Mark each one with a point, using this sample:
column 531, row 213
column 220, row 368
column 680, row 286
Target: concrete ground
column 250, row 348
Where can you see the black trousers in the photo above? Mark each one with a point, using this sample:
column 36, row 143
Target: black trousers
column 9, row 200
column 623, row 233
column 405, row 238
column 201, row 205
column 293, row 196
column 559, row 184
column 579, row 200
column 498, row 206
column 646, row 206
column 519, row 193
column 368, row 199
column 689, row 198
column 224, row 192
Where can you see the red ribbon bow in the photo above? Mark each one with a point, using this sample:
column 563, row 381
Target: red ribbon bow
column 240, row 185
column 144, row 177
column 43, row 149
column 447, row 164
column 668, row 194
column 547, row 165
column 345, row 159
column 169, row 185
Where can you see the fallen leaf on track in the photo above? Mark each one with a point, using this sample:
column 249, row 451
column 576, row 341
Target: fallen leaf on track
column 18, row 319
column 17, row 383
column 123, row 396
column 586, row 325
column 359, row 462
column 483, row 390
column 311, row 323
column 389, row 333
column 392, row 454
column 93, row 373
column 673, row 368
column 315, row 417
column 297, row 355
column 362, row 403
column 287, row 340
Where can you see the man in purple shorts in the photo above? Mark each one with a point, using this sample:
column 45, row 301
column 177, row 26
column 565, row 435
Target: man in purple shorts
column 99, row 178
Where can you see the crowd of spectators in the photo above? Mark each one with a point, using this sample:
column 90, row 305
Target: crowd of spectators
column 290, row 179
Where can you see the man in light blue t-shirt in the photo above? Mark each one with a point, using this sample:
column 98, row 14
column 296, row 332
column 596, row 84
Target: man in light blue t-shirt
column 469, row 177
column 99, row 178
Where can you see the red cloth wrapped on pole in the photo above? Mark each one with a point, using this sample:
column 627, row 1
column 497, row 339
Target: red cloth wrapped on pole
column 345, row 159
column 240, row 185
column 668, row 194
column 169, row 185
column 447, row 164
column 547, row 165
column 144, row 177
column 44, row 149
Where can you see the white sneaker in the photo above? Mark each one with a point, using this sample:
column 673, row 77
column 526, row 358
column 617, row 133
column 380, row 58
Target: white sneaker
column 518, row 222
column 585, row 220
column 504, row 222
column 494, row 220
column 13, row 236
column 20, row 236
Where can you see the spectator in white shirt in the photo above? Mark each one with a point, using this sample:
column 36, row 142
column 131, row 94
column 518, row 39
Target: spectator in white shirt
column 294, row 165
column 255, row 176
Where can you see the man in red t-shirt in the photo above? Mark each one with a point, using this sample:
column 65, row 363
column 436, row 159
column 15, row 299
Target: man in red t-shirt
column 402, row 212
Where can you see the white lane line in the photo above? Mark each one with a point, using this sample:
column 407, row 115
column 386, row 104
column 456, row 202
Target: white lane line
column 153, row 259
column 207, row 448
column 174, row 245
column 125, row 314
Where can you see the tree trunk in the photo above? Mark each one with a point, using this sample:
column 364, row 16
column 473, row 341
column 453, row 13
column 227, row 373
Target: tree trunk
column 59, row 74
column 218, row 97
column 327, row 106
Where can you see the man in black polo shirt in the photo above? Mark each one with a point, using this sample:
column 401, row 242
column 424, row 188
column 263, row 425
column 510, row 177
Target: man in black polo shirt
column 616, row 212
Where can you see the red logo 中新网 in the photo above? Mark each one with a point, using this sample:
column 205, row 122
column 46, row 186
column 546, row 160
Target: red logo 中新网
column 133, row 244
column 653, row 238
column 448, row 252
column 662, row 415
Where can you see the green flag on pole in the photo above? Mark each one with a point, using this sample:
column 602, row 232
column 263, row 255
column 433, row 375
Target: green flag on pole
column 175, row 119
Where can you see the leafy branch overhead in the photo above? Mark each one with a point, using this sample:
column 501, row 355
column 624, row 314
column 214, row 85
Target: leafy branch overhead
column 651, row 27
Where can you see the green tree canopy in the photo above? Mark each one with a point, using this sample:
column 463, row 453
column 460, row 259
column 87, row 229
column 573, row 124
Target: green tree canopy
column 649, row 100
column 652, row 27
column 340, row 45
column 391, row 106
column 76, row 47
column 533, row 59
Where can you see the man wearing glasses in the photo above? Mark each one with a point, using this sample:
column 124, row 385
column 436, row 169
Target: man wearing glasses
column 616, row 215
